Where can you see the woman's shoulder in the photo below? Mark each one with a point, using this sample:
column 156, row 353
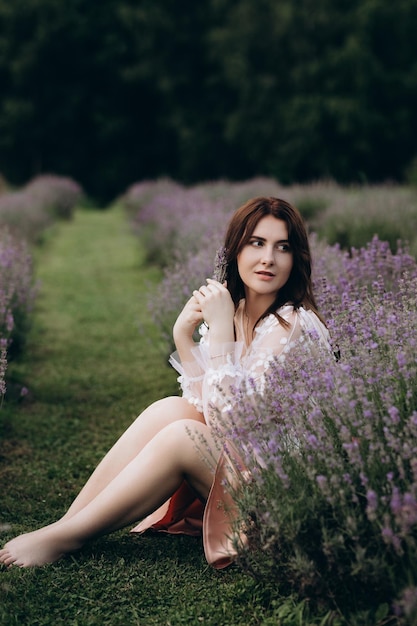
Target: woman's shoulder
column 272, row 322
column 312, row 324
column 287, row 311
column 303, row 313
column 307, row 318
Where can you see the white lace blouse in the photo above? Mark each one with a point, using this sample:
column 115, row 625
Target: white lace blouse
column 206, row 380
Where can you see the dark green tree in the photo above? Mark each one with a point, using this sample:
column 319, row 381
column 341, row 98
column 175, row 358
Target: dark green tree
column 321, row 88
column 123, row 90
column 71, row 103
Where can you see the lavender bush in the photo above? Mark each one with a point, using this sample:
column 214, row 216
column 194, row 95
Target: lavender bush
column 139, row 194
column 25, row 219
column 16, row 295
column 353, row 216
column 348, row 216
column 57, row 194
column 30, row 210
column 331, row 511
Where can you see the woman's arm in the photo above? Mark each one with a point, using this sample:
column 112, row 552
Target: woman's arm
column 187, row 321
column 212, row 304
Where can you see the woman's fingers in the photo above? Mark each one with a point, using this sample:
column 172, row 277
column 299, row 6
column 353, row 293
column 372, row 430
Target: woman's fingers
column 216, row 283
column 212, row 287
column 215, row 301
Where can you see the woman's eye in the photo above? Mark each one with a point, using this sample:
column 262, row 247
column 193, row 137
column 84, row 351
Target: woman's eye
column 280, row 247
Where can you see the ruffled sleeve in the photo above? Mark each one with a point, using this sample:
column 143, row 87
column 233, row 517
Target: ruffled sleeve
column 190, row 378
column 223, row 370
column 203, row 380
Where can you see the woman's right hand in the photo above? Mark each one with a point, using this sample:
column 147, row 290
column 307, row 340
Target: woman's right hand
column 187, row 321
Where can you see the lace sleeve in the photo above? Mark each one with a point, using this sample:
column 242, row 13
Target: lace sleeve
column 190, row 378
column 201, row 380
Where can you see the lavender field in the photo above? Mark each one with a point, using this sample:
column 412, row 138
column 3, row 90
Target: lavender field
column 333, row 511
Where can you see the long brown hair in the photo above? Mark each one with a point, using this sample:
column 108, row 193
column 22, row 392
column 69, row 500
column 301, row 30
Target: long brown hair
column 298, row 289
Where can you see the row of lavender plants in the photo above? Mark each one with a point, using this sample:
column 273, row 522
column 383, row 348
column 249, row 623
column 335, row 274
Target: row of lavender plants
column 25, row 215
column 332, row 513
column 17, row 293
column 30, row 210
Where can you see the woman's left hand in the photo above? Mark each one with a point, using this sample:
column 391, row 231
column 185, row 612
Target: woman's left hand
column 217, row 308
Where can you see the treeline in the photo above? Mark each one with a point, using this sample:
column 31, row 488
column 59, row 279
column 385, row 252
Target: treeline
column 118, row 91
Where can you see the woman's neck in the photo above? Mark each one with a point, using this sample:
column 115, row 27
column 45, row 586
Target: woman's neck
column 255, row 307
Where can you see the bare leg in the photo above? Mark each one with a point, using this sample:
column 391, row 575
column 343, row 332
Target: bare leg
column 145, row 483
column 134, row 439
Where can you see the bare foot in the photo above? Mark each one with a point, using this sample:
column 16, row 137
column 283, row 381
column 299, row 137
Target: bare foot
column 40, row 547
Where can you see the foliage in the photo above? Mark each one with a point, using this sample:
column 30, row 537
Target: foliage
column 352, row 219
column 57, row 194
column 411, row 173
column 177, row 217
column 299, row 91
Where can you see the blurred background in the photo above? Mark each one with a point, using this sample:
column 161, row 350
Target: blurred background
column 117, row 91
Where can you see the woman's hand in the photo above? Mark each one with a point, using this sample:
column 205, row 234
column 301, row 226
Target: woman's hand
column 217, row 308
column 187, row 321
column 215, row 301
column 213, row 304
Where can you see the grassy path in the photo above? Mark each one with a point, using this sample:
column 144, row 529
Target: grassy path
column 89, row 372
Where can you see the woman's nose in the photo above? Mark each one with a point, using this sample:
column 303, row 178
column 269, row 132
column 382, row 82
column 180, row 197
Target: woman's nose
column 268, row 255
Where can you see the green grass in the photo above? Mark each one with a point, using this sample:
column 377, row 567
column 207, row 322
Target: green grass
column 89, row 372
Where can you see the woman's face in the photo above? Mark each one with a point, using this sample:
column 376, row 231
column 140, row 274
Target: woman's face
column 266, row 261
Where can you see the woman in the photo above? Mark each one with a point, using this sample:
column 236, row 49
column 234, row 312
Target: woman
column 156, row 472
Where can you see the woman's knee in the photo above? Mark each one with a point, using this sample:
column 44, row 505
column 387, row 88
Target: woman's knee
column 195, row 452
column 172, row 409
column 191, row 439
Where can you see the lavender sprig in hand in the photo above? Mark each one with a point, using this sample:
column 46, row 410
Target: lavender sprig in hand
column 220, row 265
column 219, row 274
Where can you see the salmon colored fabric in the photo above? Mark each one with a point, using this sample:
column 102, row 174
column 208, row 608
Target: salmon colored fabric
column 185, row 514
column 182, row 514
